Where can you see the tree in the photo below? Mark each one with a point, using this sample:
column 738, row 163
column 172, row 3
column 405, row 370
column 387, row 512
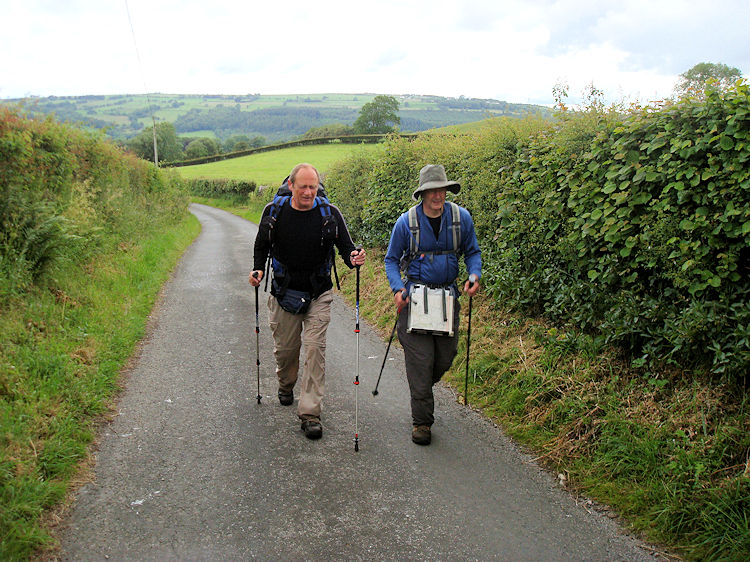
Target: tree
column 196, row 149
column 230, row 144
column 706, row 75
column 333, row 130
column 378, row 116
column 202, row 146
column 168, row 146
column 243, row 142
column 257, row 141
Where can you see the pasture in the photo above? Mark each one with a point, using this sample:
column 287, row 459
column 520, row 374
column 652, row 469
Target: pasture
column 270, row 168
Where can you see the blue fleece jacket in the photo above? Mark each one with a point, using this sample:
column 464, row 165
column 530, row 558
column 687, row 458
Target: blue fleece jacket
column 432, row 269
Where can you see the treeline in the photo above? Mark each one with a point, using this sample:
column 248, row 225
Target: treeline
column 124, row 116
column 73, row 113
column 272, row 123
column 632, row 227
column 284, row 123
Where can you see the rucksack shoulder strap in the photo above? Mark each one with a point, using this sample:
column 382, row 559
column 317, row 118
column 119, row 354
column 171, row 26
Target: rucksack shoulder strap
column 455, row 224
column 455, row 228
column 278, row 202
column 324, row 205
column 414, row 230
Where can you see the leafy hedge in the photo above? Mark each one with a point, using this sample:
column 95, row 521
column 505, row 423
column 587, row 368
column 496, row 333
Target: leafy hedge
column 88, row 234
column 65, row 194
column 632, row 226
column 234, row 190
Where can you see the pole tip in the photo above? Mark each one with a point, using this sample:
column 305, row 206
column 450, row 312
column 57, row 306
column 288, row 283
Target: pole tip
column 374, row 392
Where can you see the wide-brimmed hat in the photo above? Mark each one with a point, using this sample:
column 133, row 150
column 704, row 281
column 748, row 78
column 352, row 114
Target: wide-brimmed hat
column 432, row 176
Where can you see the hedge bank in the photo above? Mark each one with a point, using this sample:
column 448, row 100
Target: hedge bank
column 630, row 226
column 87, row 237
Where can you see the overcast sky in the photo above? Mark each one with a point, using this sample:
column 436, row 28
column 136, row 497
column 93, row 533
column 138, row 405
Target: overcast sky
column 511, row 50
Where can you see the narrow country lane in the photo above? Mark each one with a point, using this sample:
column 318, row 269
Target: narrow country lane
column 193, row 468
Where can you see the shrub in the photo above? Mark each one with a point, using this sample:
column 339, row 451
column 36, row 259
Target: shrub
column 235, row 191
column 65, row 192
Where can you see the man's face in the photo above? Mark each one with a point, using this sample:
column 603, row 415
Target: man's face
column 304, row 189
column 433, row 201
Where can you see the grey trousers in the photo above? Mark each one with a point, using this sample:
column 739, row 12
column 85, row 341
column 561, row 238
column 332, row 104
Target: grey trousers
column 427, row 358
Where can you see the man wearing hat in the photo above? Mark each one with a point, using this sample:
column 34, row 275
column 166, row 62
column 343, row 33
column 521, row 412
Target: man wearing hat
column 425, row 245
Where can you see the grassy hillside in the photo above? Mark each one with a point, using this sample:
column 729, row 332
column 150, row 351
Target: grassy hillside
column 275, row 117
column 270, row 168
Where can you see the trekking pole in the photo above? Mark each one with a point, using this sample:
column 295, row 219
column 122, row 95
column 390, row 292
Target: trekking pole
column 472, row 280
column 387, row 349
column 356, row 379
column 257, row 336
column 268, row 270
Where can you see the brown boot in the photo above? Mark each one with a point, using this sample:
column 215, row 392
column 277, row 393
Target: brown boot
column 421, row 434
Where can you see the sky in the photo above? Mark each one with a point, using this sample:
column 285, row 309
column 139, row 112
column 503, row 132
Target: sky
column 509, row 50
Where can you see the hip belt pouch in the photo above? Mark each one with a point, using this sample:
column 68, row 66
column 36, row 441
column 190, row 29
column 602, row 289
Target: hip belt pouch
column 296, row 302
column 430, row 310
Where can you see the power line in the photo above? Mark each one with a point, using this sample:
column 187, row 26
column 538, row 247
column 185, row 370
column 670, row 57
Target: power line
column 145, row 88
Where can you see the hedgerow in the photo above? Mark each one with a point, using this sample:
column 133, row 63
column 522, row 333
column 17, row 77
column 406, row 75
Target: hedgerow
column 641, row 236
column 632, row 226
column 233, row 190
column 87, row 236
column 66, row 194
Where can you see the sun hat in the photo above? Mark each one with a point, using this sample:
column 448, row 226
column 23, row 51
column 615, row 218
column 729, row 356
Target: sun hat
column 432, row 176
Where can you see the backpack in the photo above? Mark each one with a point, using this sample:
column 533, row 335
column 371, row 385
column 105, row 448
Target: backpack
column 414, row 240
column 329, row 232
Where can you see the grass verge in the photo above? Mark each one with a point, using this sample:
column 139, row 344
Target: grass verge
column 63, row 347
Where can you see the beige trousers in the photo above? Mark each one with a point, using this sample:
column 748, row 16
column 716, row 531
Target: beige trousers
column 290, row 331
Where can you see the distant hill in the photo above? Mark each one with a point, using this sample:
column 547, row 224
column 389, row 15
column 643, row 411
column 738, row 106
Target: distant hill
column 276, row 117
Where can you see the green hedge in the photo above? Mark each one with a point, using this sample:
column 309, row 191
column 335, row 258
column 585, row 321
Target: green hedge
column 234, row 190
column 633, row 226
column 88, row 234
column 65, row 194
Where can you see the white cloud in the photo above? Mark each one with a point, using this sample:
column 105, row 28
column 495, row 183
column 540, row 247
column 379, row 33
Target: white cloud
column 512, row 50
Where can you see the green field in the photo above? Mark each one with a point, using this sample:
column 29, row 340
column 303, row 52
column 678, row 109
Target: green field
column 264, row 168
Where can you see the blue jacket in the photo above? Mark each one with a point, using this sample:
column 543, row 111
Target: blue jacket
column 432, row 269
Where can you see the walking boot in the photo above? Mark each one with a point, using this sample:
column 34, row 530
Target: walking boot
column 286, row 398
column 421, row 434
column 312, row 428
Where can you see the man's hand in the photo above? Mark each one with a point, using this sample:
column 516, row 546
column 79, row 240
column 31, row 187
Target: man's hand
column 471, row 287
column 357, row 257
column 255, row 277
column 400, row 298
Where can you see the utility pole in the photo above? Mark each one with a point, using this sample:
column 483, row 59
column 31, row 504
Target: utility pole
column 156, row 154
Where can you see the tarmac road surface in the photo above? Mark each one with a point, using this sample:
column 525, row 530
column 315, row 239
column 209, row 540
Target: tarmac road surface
column 193, row 468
